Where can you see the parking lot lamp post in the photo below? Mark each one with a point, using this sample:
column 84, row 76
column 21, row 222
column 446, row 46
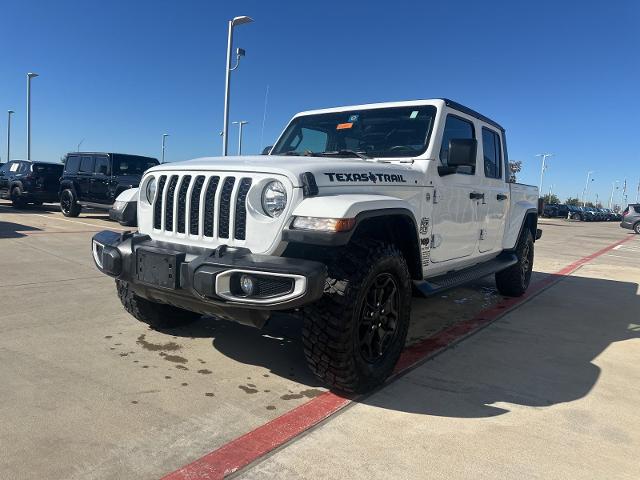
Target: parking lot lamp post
column 9, row 113
column 543, row 168
column 228, row 69
column 30, row 75
column 613, row 189
column 240, row 124
column 586, row 187
column 164, row 138
column 79, row 143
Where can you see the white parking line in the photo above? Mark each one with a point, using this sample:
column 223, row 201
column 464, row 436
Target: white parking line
column 77, row 221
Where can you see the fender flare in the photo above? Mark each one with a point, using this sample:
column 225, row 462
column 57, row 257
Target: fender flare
column 67, row 184
column 530, row 212
column 15, row 183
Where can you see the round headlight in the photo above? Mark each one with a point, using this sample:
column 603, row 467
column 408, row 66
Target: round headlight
column 150, row 191
column 274, row 198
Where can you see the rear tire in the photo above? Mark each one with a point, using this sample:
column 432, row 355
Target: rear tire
column 514, row 281
column 69, row 203
column 156, row 315
column 636, row 228
column 354, row 334
column 17, row 200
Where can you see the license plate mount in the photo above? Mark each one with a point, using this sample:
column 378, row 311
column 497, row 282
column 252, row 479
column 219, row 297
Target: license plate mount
column 159, row 269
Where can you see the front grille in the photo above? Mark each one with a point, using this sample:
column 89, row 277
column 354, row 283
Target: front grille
column 209, row 206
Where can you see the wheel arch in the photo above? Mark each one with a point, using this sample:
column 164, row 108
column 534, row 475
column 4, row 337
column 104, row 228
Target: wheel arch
column 530, row 222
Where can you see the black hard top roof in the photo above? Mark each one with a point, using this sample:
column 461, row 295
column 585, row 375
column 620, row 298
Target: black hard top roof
column 111, row 153
column 471, row 112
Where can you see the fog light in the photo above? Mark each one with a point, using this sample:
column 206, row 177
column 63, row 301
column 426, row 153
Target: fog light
column 247, row 284
column 98, row 249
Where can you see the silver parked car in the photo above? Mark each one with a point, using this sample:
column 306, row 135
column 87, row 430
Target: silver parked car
column 631, row 217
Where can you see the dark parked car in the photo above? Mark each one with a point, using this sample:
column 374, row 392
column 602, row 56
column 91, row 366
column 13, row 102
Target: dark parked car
column 95, row 180
column 25, row 181
column 631, row 217
column 550, row 211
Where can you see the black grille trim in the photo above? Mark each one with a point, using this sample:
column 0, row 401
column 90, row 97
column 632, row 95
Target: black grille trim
column 225, row 207
column 194, row 212
column 168, row 211
column 209, row 205
column 240, row 230
column 157, row 206
column 182, row 203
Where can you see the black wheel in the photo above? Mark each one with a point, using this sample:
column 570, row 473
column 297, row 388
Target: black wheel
column 17, row 200
column 355, row 333
column 156, row 315
column 69, row 204
column 514, row 281
column 636, row 228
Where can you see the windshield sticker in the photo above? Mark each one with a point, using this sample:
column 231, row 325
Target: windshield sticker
column 365, row 177
column 414, row 114
column 342, row 126
column 354, row 118
column 14, row 167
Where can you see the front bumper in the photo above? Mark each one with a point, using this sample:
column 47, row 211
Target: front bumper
column 207, row 281
column 627, row 225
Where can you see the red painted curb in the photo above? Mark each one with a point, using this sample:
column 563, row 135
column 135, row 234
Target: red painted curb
column 246, row 449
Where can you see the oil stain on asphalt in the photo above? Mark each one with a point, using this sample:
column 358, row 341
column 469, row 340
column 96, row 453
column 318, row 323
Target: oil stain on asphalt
column 173, row 358
column 155, row 347
column 309, row 393
column 247, row 389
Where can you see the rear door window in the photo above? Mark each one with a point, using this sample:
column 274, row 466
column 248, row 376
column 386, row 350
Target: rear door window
column 86, row 164
column 491, row 151
column 72, row 164
column 132, row 164
column 102, row 165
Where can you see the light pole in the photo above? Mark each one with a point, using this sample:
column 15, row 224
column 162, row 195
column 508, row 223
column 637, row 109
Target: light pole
column 29, row 77
column 586, row 187
column 164, row 137
column 613, row 188
column 79, row 143
column 9, row 113
column 240, row 124
column 543, row 168
column 227, row 84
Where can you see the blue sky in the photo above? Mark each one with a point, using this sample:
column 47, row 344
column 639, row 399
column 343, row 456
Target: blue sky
column 561, row 77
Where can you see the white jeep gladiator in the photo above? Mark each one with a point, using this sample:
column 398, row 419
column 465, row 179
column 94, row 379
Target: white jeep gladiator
column 352, row 211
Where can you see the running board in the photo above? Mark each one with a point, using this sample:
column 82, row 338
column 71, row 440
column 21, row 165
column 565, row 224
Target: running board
column 449, row 280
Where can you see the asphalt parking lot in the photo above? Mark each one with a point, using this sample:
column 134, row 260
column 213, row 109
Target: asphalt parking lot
column 548, row 390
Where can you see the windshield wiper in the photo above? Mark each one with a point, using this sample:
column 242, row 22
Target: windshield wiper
column 342, row 153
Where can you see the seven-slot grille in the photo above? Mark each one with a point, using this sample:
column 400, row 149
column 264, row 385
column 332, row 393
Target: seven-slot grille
column 202, row 205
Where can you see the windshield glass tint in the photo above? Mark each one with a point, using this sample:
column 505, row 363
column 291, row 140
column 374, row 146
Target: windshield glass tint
column 132, row 165
column 380, row 132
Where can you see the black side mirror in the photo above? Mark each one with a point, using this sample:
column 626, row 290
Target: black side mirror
column 462, row 152
column 267, row 150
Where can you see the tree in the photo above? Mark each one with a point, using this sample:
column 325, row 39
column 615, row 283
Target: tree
column 573, row 201
column 514, row 167
column 551, row 199
column 589, row 204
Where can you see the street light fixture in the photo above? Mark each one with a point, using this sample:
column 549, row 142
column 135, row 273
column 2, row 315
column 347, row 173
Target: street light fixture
column 9, row 113
column 613, row 188
column 543, row 168
column 79, row 143
column 30, row 76
column 586, row 187
column 240, row 124
column 228, row 69
column 164, row 137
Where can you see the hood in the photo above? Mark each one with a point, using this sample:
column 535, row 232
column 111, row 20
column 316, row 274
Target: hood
column 328, row 171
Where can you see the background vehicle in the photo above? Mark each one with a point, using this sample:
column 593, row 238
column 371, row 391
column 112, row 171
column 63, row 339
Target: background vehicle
column 631, row 217
column 24, row 182
column 95, row 179
column 550, row 211
column 350, row 210
column 576, row 213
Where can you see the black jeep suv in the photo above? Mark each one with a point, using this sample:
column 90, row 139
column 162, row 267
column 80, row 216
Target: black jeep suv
column 95, row 179
column 25, row 181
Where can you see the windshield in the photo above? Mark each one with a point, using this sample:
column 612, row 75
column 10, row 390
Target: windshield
column 380, row 132
column 132, row 164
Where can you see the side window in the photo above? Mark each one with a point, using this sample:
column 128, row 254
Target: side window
column 4, row 169
column 454, row 127
column 492, row 153
column 72, row 164
column 102, row 165
column 86, row 164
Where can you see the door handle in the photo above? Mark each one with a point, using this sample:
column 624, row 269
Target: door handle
column 476, row 196
column 501, row 196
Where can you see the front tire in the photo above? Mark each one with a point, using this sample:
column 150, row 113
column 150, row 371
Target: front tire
column 17, row 200
column 636, row 228
column 156, row 315
column 514, row 281
column 355, row 333
column 69, row 203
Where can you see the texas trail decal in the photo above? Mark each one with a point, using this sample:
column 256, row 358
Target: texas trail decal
column 366, row 177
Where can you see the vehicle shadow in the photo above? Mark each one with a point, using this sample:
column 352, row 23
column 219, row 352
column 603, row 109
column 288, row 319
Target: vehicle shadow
column 14, row 230
column 534, row 357
column 537, row 356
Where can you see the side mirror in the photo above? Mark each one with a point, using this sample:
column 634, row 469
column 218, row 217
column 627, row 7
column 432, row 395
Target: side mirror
column 462, row 152
column 267, row 150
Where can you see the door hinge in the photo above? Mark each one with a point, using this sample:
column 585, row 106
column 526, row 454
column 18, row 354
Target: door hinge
column 482, row 233
column 435, row 196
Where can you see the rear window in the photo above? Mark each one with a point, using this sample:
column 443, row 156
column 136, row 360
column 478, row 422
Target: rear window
column 132, row 164
column 46, row 169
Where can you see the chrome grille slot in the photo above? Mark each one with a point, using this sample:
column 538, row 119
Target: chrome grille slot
column 225, row 207
column 209, row 205
column 241, row 210
column 194, row 211
column 182, row 203
column 169, row 206
column 157, row 207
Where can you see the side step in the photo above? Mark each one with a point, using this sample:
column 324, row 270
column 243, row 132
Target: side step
column 444, row 282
